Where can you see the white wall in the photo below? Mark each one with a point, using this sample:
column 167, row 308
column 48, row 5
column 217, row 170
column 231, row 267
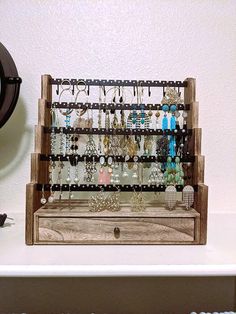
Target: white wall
column 125, row 39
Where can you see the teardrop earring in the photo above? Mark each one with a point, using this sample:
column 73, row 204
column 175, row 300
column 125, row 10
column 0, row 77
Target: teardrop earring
column 43, row 200
column 165, row 108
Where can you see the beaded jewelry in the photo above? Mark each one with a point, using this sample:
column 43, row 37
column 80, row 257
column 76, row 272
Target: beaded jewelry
column 188, row 196
column 170, row 197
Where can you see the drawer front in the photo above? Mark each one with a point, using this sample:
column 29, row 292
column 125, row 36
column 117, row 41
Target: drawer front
column 114, row 230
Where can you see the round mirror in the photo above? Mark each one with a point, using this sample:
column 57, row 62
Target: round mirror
column 9, row 85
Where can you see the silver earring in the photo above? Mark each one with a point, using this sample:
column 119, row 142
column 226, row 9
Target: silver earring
column 43, row 200
column 188, row 196
column 170, row 197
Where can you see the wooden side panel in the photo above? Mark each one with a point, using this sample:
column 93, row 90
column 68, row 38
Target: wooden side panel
column 32, row 204
column 198, row 170
column 192, row 118
column 39, row 169
column 44, row 115
column 42, row 140
column 46, row 87
column 201, row 205
column 190, row 91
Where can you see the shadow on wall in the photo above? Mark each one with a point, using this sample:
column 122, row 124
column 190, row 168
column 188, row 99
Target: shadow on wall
column 15, row 140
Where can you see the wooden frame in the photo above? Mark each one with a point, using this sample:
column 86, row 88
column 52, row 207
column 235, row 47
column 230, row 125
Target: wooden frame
column 82, row 227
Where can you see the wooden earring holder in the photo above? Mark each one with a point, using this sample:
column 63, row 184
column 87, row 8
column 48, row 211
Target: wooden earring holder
column 56, row 223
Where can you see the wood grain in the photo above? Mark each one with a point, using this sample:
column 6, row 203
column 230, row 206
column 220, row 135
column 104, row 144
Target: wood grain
column 201, row 205
column 44, row 115
column 190, row 91
column 198, row 170
column 32, row 204
column 80, row 226
column 39, row 169
column 101, row 230
column 46, row 87
column 42, row 140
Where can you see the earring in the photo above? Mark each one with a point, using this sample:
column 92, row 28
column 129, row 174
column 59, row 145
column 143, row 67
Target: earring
column 97, row 203
column 157, row 114
column 188, row 196
column 43, row 200
column 156, row 175
column 134, row 115
column 125, row 167
column 165, row 108
column 76, row 179
column 102, row 175
column 170, row 197
column 113, row 201
column 74, row 141
column 66, row 113
column 162, row 146
column 116, row 174
column 138, row 202
column 68, row 179
column 135, row 168
column 50, row 170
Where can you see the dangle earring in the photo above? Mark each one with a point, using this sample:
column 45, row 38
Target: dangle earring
column 102, row 175
column 43, row 200
column 68, row 179
column 125, row 167
column 157, row 114
column 138, row 202
column 110, row 169
column 188, row 196
column 165, row 108
column 156, row 175
column 135, row 168
column 170, row 197
column 97, row 203
column 76, row 179
column 90, row 168
column 142, row 114
column 113, row 201
column 67, row 112
column 116, row 173
column 50, row 177
column 100, row 121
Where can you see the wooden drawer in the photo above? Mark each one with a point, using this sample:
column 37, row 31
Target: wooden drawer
column 107, row 230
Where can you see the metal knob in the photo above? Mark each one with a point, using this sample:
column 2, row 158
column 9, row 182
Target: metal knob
column 117, row 232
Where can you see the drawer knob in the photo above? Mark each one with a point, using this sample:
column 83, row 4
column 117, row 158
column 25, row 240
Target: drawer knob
column 117, row 232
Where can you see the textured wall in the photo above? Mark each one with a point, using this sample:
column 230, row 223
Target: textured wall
column 126, row 39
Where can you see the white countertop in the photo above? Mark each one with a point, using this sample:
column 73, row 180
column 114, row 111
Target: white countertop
column 217, row 258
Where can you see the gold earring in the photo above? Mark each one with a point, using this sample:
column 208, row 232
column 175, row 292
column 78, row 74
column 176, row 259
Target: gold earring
column 138, row 202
